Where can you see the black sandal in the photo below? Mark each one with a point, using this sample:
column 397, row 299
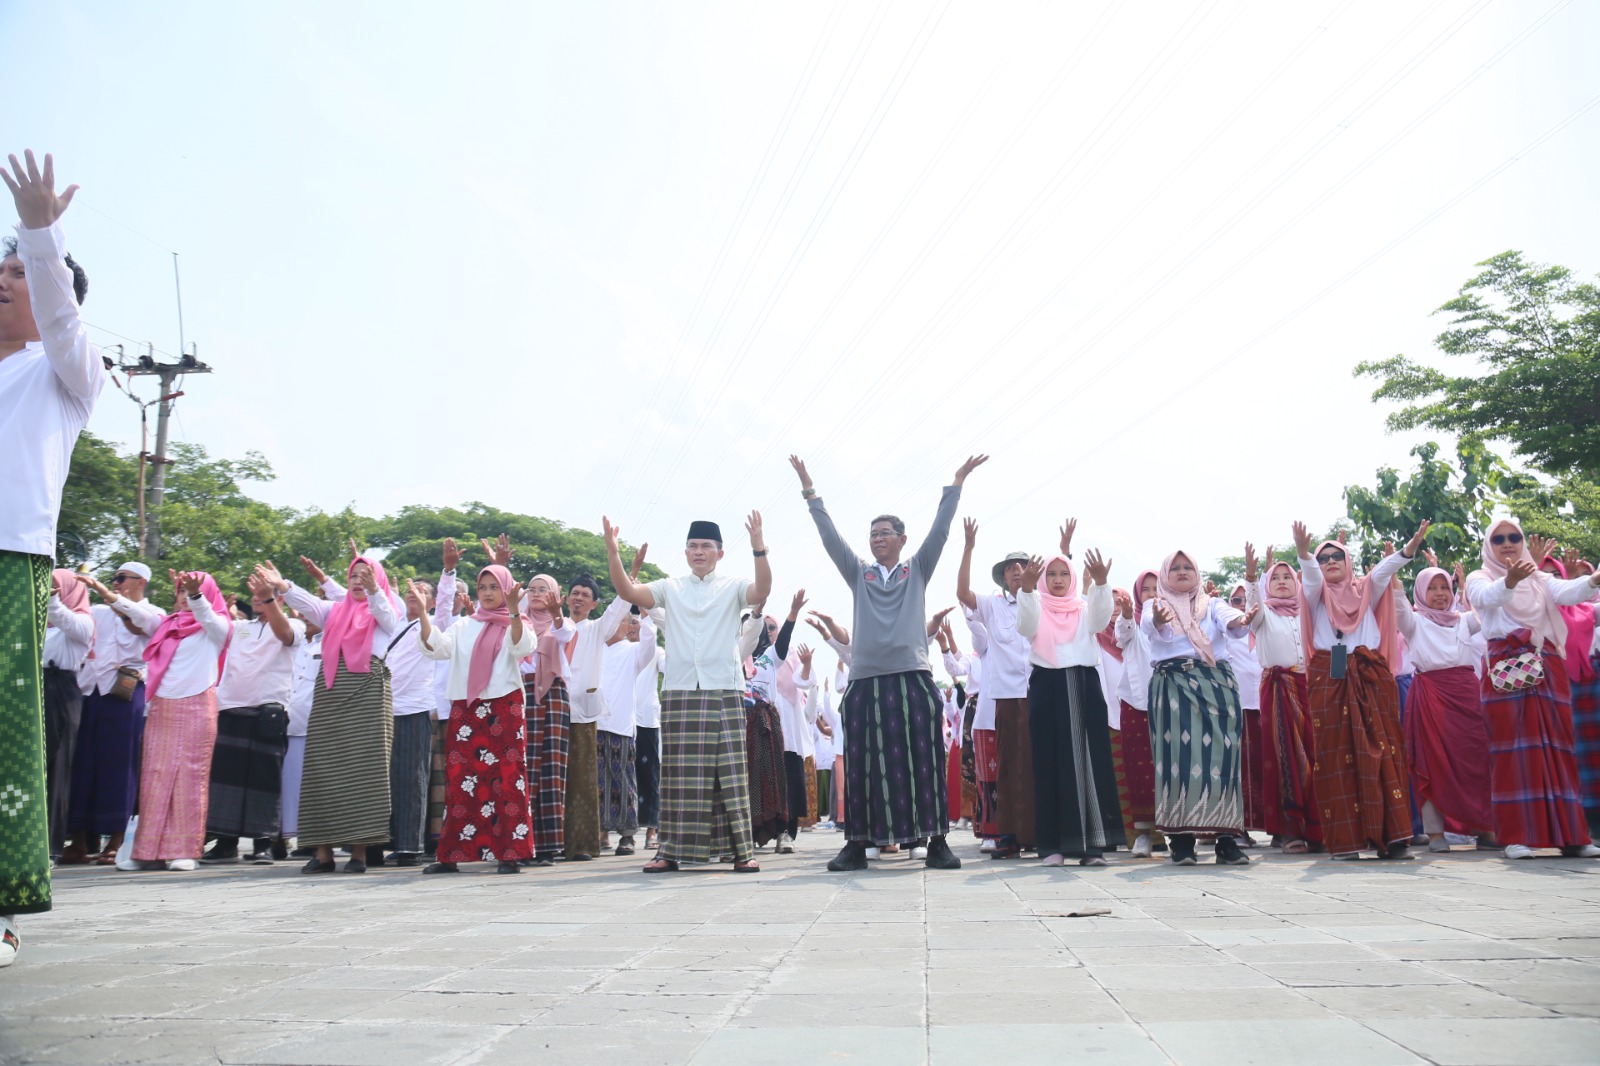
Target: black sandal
column 749, row 866
column 441, row 868
column 317, row 867
column 660, row 865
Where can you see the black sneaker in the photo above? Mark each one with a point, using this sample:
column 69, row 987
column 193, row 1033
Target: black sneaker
column 441, row 868
column 1228, row 853
column 1181, row 849
column 940, row 857
column 221, row 854
column 852, row 856
column 280, row 850
column 406, row 858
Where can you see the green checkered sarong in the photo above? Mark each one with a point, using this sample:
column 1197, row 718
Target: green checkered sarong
column 24, row 817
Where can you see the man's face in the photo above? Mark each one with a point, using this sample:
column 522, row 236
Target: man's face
column 16, row 310
column 580, row 601
column 126, row 583
column 885, row 542
column 1013, row 575
column 630, row 628
column 702, row 555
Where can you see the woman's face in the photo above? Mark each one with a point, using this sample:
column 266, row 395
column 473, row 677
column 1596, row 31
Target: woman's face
column 1334, row 561
column 358, row 575
column 1236, row 599
column 1182, row 576
column 1508, row 548
column 1280, row 586
column 1439, row 593
column 1147, row 588
column 491, row 597
column 1549, row 567
column 1058, row 577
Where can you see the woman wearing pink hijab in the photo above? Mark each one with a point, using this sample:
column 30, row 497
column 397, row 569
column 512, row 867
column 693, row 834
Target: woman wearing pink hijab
column 1527, row 695
column 344, row 787
column 68, row 642
column 1348, row 625
column 1075, row 806
column 486, row 743
column 1583, row 669
column 549, row 716
column 1133, row 692
column 185, row 660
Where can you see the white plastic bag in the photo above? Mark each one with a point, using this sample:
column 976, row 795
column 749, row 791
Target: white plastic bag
column 125, row 859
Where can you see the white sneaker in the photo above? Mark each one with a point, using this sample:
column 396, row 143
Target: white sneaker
column 987, row 845
column 129, row 865
column 919, row 853
column 1439, row 845
column 785, row 845
column 873, row 853
column 183, row 865
column 1588, row 851
column 10, row 941
column 1519, row 851
column 1141, row 846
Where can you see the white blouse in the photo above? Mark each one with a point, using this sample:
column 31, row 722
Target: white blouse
column 193, row 668
column 1489, row 599
column 1437, row 647
column 1083, row 649
column 1168, row 642
column 1366, row 634
column 387, row 621
column 1278, row 639
column 455, row 645
column 69, row 638
column 1134, row 688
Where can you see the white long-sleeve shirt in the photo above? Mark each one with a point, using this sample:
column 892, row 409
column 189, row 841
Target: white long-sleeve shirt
column 454, row 645
column 444, row 616
column 646, row 687
column 1437, row 647
column 825, row 746
column 48, row 391
column 584, row 671
column 1489, row 599
column 1169, row 642
column 1246, row 668
column 1278, row 639
column 69, row 638
column 966, row 670
column 1134, row 689
column 115, row 645
column 386, row 623
column 193, row 668
column 1083, row 649
column 1366, row 634
column 307, row 676
column 1005, row 662
column 260, row 667
column 624, row 663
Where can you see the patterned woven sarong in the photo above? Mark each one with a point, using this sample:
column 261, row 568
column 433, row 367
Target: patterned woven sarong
column 1137, row 769
column 619, row 784
column 1533, row 771
column 705, row 782
column 647, row 774
column 1586, row 735
column 769, row 792
column 1194, row 738
column 344, row 788
column 175, row 779
column 548, row 737
column 1251, row 741
column 969, row 765
column 24, row 811
column 247, row 772
column 1014, row 782
column 1288, row 801
column 582, row 830
column 409, row 769
column 986, row 769
column 894, row 759
column 1359, row 776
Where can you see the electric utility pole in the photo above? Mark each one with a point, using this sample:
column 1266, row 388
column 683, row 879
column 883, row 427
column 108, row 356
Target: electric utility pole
column 167, row 374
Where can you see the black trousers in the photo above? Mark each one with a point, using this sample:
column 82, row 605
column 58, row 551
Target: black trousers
column 647, row 768
column 794, row 773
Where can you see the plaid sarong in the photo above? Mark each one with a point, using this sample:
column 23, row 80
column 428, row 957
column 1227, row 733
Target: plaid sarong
column 894, row 759
column 769, row 793
column 1362, row 786
column 705, row 782
column 1133, row 740
column 1194, row 741
column 247, row 772
column 1533, row 772
column 548, row 728
column 410, row 760
column 24, row 812
column 1586, row 735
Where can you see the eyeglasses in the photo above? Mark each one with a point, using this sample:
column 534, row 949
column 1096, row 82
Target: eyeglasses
column 881, row 534
column 120, row 578
column 1501, row 538
column 1331, row 557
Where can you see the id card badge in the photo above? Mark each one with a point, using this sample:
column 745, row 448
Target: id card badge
column 1339, row 653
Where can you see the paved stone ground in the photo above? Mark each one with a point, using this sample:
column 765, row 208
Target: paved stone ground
column 1460, row 959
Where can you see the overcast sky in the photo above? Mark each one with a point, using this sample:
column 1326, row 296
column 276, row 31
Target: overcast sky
column 623, row 258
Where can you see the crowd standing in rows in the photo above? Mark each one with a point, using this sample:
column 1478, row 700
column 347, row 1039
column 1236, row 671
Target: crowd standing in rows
column 510, row 723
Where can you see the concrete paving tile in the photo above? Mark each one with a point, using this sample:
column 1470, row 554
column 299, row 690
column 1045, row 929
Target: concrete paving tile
column 1118, row 1042
column 80, row 974
column 486, row 979
column 1300, row 974
column 1458, row 949
column 765, row 1011
column 1073, row 1007
column 1508, row 970
column 1336, row 951
column 801, row 979
column 686, row 982
column 1264, row 1005
column 882, row 1045
column 1498, row 1042
column 278, row 1004
column 1403, row 930
column 1422, row 1001
column 1575, row 947
column 1155, row 975
column 461, row 1008
column 584, row 1045
column 1302, row 1041
column 1040, row 978
column 1178, row 955
column 604, row 1010
column 409, row 978
column 367, row 1044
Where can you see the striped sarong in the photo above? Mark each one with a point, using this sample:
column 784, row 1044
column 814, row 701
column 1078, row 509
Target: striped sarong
column 1076, row 810
column 410, row 761
column 1533, row 772
column 24, row 810
column 436, row 784
column 1014, row 783
column 549, row 727
column 1194, row 747
column 705, row 782
column 344, row 790
column 619, row 784
column 647, row 773
column 763, row 752
column 1362, row 786
column 894, row 759
column 247, row 772
column 175, row 778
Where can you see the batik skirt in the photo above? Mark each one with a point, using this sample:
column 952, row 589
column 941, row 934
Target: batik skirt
column 24, row 810
column 175, row 779
column 1359, row 777
column 486, row 810
column 1194, row 746
column 619, row 784
column 769, row 781
column 1288, row 801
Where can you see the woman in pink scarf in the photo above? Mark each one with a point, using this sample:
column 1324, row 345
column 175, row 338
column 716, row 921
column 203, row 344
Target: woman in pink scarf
column 549, row 717
column 1583, row 669
column 486, row 791
column 344, row 788
column 1075, row 807
column 1527, row 695
column 1348, row 627
column 68, row 643
column 1133, row 739
column 185, row 661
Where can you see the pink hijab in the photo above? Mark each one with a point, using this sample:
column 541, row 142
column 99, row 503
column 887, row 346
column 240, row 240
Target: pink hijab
column 1580, row 632
column 1187, row 608
column 1347, row 604
column 1419, row 597
column 74, row 596
column 178, row 625
column 547, row 650
column 1282, row 606
column 1531, row 607
column 348, row 632
column 492, row 637
column 1138, row 602
column 1058, row 615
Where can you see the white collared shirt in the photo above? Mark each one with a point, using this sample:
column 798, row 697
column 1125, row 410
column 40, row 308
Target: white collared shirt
column 455, row 646
column 702, row 628
column 115, row 645
column 260, row 667
column 1005, row 660
column 193, row 668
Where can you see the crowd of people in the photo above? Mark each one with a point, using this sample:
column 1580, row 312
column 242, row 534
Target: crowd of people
column 523, row 724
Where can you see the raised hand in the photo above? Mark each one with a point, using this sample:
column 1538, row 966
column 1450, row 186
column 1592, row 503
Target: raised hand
column 798, row 602
column 367, row 580
column 1249, row 616
column 186, row 582
column 610, row 531
column 355, row 550
column 818, row 626
column 800, row 468
column 1302, row 540
column 969, row 526
column 452, row 554
column 972, row 463
column 1067, row 531
column 1461, row 580
column 1428, row 554
column 1123, row 602
column 34, row 191
column 260, row 591
column 805, row 657
column 99, row 587
column 1570, row 559
column 1539, row 547
column 550, row 600
column 269, row 574
column 514, row 598
column 1097, row 568
column 1031, row 572
column 752, row 526
column 1211, row 588
column 416, row 599
column 1388, row 548
column 1250, row 571
column 499, row 550
column 1416, row 538
column 1159, row 613
column 939, row 622
column 312, row 570
column 638, row 561
column 1519, row 571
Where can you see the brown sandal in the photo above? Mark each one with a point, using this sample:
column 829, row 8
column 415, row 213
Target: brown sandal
column 660, row 865
column 749, row 866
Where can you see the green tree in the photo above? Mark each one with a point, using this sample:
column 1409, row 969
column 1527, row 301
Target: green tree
column 1569, row 511
column 99, row 506
column 1230, row 568
column 1535, row 333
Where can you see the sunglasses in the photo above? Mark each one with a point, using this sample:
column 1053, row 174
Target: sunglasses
column 1501, row 538
column 120, row 578
column 1331, row 557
